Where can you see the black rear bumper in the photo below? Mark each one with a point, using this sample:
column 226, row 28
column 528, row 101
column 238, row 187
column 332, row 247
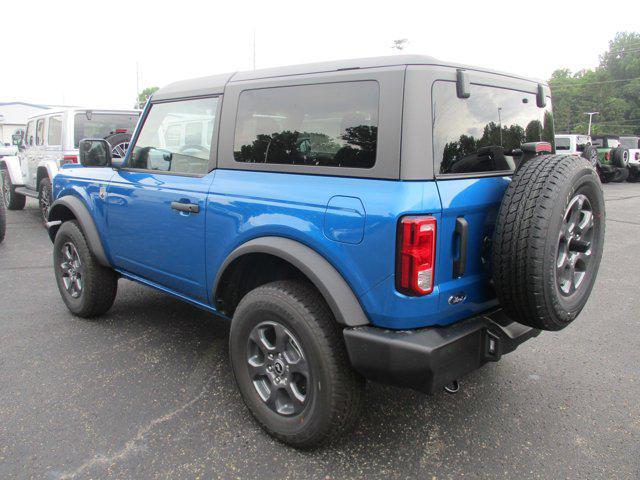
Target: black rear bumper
column 428, row 359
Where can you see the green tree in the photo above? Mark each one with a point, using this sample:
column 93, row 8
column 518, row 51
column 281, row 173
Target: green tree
column 144, row 96
column 612, row 88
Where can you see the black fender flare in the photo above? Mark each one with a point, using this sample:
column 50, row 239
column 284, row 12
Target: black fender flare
column 332, row 286
column 57, row 215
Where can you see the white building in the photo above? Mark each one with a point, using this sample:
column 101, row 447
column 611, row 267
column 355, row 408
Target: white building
column 14, row 115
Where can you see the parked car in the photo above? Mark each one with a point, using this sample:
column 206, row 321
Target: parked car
column 397, row 219
column 632, row 144
column 7, row 150
column 613, row 159
column 51, row 140
column 580, row 145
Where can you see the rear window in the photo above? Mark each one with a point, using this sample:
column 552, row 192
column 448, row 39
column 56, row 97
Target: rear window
column 102, row 125
column 330, row 125
column 630, row 142
column 563, row 144
column 485, row 132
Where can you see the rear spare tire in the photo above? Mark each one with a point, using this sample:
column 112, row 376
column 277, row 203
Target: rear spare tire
column 548, row 241
column 591, row 153
column 119, row 143
column 620, row 157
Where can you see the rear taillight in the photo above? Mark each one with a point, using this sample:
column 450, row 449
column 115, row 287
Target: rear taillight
column 416, row 255
column 637, row 155
column 68, row 159
column 543, row 147
column 606, row 156
column 121, row 130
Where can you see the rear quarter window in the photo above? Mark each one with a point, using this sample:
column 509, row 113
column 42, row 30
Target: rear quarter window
column 329, row 125
column 484, row 133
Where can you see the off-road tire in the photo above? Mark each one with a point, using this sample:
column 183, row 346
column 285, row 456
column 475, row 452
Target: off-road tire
column 620, row 175
column 13, row 200
column 45, row 198
column 634, row 176
column 336, row 391
column 620, row 157
column 3, row 220
column 119, row 143
column 527, row 242
column 591, row 153
column 99, row 284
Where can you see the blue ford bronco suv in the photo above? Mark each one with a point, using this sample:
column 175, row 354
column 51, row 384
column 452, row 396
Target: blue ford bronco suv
column 398, row 219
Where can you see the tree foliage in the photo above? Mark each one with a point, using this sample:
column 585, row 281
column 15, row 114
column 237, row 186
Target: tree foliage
column 144, row 95
column 612, row 88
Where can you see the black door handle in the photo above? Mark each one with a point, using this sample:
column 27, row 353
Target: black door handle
column 186, row 207
column 461, row 232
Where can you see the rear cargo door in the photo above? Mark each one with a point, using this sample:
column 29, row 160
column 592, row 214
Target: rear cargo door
column 477, row 145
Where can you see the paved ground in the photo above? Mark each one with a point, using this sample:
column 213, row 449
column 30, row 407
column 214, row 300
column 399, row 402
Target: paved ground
column 147, row 391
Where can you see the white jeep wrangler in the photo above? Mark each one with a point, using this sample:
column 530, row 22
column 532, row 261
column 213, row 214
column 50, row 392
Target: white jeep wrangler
column 51, row 140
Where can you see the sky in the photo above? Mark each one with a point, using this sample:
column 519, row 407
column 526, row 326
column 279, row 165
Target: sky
column 87, row 53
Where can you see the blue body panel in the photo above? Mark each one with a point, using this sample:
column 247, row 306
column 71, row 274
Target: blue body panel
column 351, row 222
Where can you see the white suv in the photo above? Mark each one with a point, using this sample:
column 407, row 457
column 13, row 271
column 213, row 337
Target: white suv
column 51, row 140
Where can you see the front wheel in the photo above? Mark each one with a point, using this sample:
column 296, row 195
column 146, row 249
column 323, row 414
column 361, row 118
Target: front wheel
column 291, row 365
column 87, row 288
column 12, row 199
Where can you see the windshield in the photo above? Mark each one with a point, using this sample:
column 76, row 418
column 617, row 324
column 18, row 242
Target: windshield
column 102, row 125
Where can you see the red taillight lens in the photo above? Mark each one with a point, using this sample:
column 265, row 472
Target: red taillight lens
column 543, row 147
column 121, row 130
column 606, row 156
column 637, row 155
column 416, row 255
column 68, row 159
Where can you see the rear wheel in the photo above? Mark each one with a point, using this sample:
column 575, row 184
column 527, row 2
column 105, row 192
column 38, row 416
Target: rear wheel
column 87, row 288
column 291, row 365
column 45, row 196
column 548, row 241
column 12, row 200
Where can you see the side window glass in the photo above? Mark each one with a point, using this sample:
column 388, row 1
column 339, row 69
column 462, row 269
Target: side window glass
column 29, row 139
column 329, row 125
column 485, row 132
column 40, row 131
column 54, row 131
column 172, row 140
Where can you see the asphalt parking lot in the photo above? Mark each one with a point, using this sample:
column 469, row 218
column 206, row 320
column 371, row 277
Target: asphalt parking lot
column 147, row 391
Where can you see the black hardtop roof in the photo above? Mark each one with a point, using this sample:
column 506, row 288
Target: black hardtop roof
column 215, row 84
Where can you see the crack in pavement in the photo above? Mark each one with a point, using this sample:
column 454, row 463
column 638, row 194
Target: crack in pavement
column 131, row 446
column 622, row 221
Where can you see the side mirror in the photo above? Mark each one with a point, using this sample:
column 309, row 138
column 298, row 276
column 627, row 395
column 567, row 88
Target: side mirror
column 95, row 152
